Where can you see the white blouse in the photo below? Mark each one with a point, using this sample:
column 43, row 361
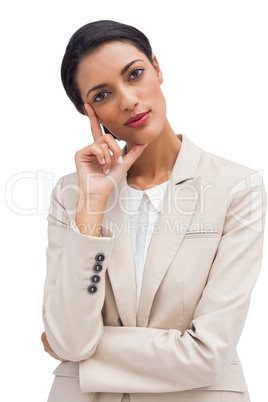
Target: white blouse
column 144, row 210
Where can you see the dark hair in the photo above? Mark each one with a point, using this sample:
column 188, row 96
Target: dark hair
column 85, row 41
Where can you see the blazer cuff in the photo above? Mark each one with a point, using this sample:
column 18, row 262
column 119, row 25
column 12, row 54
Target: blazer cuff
column 105, row 232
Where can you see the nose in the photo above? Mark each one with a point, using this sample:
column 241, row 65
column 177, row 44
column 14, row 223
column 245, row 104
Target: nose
column 128, row 98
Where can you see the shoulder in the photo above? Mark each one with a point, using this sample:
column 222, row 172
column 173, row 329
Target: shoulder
column 222, row 166
column 227, row 173
column 224, row 178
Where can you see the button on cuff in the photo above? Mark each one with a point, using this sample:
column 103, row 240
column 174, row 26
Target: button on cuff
column 100, row 257
column 97, row 268
column 92, row 289
column 95, row 279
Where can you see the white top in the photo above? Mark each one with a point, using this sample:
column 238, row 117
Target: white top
column 144, row 210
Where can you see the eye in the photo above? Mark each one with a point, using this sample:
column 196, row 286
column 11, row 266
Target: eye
column 136, row 73
column 100, row 96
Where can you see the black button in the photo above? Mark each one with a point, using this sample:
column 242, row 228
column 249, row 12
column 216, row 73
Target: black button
column 97, row 268
column 100, row 257
column 95, row 278
column 92, row 289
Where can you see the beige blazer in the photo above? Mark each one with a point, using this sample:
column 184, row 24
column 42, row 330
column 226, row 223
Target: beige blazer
column 202, row 263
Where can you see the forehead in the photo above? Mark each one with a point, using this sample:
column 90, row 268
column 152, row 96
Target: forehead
column 107, row 60
column 117, row 48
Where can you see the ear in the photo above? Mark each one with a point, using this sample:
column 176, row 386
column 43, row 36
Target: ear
column 157, row 69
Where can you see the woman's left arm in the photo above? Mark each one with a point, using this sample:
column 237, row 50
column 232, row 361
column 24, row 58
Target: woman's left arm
column 137, row 360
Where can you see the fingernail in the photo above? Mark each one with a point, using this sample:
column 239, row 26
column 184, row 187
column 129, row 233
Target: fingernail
column 103, row 161
column 107, row 172
column 120, row 160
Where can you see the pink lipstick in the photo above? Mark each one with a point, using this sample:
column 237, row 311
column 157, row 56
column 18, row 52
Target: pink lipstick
column 138, row 120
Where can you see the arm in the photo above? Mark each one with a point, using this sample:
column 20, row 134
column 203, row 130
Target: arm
column 72, row 316
column 154, row 360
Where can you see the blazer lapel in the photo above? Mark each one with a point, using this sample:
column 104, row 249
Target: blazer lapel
column 177, row 211
column 121, row 269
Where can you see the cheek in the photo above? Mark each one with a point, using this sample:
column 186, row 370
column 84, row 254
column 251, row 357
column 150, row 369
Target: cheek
column 153, row 83
column 106, row 115
column 158, row 99
column 154, row 92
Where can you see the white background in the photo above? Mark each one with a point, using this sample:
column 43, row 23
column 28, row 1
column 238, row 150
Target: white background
column 214, row 59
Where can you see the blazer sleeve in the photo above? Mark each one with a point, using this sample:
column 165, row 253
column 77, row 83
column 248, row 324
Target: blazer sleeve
column 140, row 360
column 71, row 314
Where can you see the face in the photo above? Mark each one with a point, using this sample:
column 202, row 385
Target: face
column 119, row 82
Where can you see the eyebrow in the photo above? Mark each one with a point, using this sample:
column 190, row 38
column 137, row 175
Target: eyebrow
column 122, row 72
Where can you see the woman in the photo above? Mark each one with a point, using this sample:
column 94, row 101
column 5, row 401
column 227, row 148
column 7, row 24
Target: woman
column 154, row 251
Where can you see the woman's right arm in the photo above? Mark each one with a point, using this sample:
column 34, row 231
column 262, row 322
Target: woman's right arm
column 71, row 314
column 72, row 302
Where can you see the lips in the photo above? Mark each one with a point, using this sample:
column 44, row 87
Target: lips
column 138, row 120
column 135, row 118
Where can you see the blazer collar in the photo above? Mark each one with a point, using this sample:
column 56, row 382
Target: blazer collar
column 187, row 161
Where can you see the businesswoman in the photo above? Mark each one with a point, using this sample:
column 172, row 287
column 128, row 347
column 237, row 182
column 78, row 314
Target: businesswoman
column 153, row 250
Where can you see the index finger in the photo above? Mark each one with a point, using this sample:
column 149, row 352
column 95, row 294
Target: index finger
column 94, row 122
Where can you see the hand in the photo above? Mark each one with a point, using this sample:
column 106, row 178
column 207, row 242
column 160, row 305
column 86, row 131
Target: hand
column 48, row 349
column 98, row 171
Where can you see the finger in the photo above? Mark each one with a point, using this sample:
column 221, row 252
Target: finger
column 113, row 146
column 94, row 122
column 133, row 155
column 93, row 150
column 47, row 346
column 44, row 338
column 107, row 157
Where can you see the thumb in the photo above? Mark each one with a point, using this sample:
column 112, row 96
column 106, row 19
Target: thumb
column 133, row 154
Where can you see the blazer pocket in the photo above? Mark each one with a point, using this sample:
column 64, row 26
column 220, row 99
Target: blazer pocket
column 193, row 234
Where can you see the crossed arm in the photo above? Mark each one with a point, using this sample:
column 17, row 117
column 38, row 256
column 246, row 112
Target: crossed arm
column 167, row 359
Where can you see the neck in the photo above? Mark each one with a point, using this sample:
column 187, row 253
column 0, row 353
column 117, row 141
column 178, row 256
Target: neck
column 157, row 160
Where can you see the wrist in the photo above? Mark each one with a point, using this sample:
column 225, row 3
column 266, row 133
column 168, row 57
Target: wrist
column 91, row 203
column 93, row 229
column 89, row 214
